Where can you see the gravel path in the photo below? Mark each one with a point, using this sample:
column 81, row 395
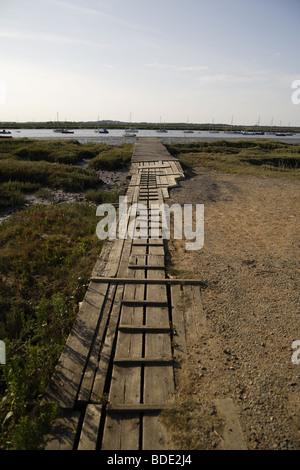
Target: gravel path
column 250, row 264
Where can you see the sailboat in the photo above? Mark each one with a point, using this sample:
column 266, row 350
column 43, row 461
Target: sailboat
column 130, row 132
column 161, row 129
column 187, row 130
column 5, row 134
column 57, row 129
column 101, row 131
column 62, row 130
column 213, row 131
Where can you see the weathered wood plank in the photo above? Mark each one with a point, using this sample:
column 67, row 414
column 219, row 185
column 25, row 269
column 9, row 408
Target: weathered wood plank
column 178, row 320
column 121, row 432
column 63, row 432
column 92, row 364
column 147, row 303
column 158, row 381
column 194, row 312
column 145, row 328
column 159, row 360
column 64, row 385
column 105, row 356
column 90, row 428
column 233, row 438
column 158, row 280
column 138, row 408
column 126, row 384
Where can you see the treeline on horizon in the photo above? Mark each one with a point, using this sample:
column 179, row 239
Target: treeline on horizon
column 110, row 124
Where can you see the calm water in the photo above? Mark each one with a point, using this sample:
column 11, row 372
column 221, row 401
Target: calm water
column 116, row 136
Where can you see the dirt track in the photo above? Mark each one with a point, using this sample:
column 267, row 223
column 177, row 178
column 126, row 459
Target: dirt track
column 250, row 264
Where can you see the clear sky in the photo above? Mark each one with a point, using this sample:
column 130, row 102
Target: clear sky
column 170, row 60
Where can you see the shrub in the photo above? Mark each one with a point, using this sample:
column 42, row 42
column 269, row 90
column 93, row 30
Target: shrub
column 113, row 159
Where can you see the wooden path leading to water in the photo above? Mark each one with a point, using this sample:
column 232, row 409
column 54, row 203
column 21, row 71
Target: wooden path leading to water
column 116, row 373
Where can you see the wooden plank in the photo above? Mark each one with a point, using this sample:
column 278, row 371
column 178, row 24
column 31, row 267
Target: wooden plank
column 149, row 360
column 233, row 438
column 178, row 324
column 63, row 432
column 147, row 303
column 158, row 381
column 145, row 328
column 92, row 364
column 157, row 250
column 105, row 357
column 126, row 384
column 65, row 382
column 146, row 266
column 138, row 408
column 90, row 428
column 122, row 271
column 158, row 280
column 194, row 312
column 148, row 242
column 113, row 261
column 121, row 432
column 137, row 259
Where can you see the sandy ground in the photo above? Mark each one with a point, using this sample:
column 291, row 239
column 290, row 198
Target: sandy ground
column 250, row 265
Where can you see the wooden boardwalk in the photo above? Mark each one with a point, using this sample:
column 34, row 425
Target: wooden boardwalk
column 116, row 373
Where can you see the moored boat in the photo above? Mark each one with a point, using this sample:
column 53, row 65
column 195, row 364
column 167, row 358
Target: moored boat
column 129, row 134
column 101, row 131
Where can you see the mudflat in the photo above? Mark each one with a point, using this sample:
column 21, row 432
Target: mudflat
column 242, row 358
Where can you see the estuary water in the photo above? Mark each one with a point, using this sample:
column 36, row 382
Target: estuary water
column 116, row 136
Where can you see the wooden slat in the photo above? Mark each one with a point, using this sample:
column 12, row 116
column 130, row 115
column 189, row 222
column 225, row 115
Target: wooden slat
column 64, row 385
column 144, row 328
column 63, row 432
column 147, row 303
column 92, row 364
column 178, row 320
column 146, row 266
column 133, row 361
column 233, row 438
column 121, row 432
column 194, row 312
column 158, row 280
column 126, row 385
column 90, row 428
column 105, row 357
column 158, row 381
column 138, row 408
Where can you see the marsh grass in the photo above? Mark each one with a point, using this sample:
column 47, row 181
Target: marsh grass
column 47, row 174
column 112, row 159
column 47, row 255
column 261, row 158
column 28, row 165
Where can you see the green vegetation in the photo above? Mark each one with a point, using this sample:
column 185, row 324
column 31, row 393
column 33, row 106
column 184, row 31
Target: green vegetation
column 47, row 256
column 51, row 175
column 257, row 157
column 28, row 165
column 112, row 159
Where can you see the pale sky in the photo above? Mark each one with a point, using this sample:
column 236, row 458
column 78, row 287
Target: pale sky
column 175, row 61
